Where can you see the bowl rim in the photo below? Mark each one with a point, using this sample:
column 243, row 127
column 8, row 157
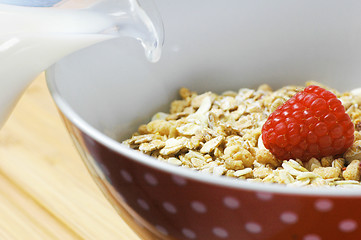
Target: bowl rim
column 74, row 118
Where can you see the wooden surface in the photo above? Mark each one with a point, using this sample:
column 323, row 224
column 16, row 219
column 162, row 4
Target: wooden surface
column 45, row 190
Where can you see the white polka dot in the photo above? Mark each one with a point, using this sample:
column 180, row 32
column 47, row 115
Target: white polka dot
column 289, row 217
column 151, row 180
column 231, row 202
column 189, row 233
column 220, row 232
column 253, row 227
column 312, row 237
column 323, row 205
column 199, row 207
column 179, row 180
column 143, row 204
column 169, row 207
column 161, row 229
column 348, row 225
column 126, row 175
column 264, row 196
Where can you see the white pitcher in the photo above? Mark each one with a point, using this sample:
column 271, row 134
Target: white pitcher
column 34, row 34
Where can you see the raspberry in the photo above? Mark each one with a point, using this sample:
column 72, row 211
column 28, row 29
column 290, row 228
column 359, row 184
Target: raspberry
column 313, row 123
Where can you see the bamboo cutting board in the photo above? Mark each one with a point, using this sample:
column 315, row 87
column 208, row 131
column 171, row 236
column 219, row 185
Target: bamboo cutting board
column 45, row 189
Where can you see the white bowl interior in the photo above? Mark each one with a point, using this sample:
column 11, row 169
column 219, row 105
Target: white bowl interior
column 212, row 45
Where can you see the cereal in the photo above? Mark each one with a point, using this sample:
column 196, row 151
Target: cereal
column 327, row 172
column 233, row 164
column 161, row 127
column 338, row 163
column 262, row 172
column 353, row 171
column 326, row 161
column 174, row 161
column 221, row 135
column 265, row 157
column 312, row 164
column 173, row 145
column 354, row 152
column 210, row 145
column 185, row 93
column 153, row 145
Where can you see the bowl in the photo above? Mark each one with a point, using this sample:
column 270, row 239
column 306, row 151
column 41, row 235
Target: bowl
column 106, row 91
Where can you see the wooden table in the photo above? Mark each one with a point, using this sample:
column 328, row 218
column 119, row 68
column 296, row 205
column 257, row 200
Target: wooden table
column 45, row 190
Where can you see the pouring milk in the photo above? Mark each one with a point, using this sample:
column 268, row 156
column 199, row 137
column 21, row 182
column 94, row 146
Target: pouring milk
column 33, row 38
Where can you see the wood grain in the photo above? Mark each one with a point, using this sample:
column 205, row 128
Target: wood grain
column 45, row 190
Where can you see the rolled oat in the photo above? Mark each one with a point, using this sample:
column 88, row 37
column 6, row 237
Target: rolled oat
column 221, row 135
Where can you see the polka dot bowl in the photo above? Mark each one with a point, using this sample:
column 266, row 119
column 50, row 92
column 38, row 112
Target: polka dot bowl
column 104, row 92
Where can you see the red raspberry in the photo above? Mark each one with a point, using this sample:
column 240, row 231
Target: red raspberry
column 313, row 123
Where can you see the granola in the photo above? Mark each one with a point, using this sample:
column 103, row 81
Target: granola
column 221, row 135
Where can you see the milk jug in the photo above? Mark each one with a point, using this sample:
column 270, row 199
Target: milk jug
column 34, row 34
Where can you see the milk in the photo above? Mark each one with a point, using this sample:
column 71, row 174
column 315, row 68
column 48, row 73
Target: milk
column 32, row 39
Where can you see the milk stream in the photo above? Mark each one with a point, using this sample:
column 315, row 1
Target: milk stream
column 32, row 39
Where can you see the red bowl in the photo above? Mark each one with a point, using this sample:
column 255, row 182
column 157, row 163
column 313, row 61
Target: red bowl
column 104, row 92
column 167, row 202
